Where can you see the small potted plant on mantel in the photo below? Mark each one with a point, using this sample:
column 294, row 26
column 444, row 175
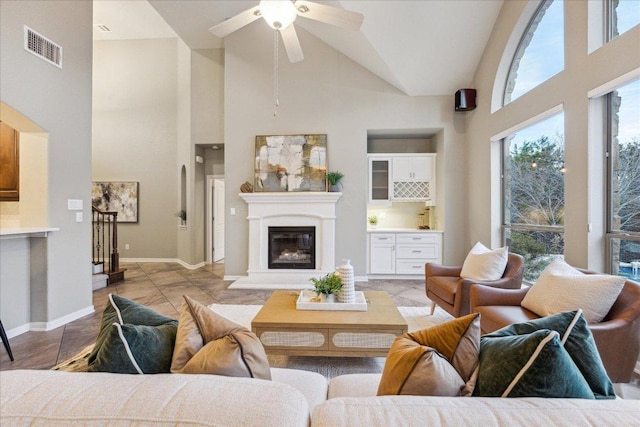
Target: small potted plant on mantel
column 327, row 287
column 334, row 178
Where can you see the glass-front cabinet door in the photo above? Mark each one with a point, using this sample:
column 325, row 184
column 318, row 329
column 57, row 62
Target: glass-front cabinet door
column 379, row 179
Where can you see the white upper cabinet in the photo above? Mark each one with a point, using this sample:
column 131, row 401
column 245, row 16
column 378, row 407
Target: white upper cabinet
column 402, row 177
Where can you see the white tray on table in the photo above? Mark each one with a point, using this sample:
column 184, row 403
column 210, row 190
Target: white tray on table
column 305, row 302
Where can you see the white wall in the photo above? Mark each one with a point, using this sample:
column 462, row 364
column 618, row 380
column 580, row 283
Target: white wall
column 326, row 93
column 135, row 102
column 569, row 88
column 58, row 101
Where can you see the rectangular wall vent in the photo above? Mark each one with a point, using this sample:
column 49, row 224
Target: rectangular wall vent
column 42, row 47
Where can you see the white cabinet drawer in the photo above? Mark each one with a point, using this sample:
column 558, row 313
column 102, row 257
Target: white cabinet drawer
column 417, row 251
column 418, row 238
column 409, row 266
column 383, row 238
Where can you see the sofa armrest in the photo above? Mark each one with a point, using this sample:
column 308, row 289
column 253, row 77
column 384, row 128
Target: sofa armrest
column 441, row 270
column 480, row 295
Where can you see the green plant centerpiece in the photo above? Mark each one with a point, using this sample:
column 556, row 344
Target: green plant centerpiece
column 327, row 286
column 373, row 220
column 334, row 178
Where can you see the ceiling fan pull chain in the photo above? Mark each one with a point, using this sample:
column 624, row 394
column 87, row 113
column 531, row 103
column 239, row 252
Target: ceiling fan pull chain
column 276, row 102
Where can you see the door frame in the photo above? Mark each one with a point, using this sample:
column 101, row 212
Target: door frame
column 209, row 215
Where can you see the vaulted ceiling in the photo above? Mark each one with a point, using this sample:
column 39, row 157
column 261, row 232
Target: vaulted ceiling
column 422, row 47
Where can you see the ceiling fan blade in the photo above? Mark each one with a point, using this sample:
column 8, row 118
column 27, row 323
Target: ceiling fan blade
column 329, row 15
column 292, row 44
column 234, row 23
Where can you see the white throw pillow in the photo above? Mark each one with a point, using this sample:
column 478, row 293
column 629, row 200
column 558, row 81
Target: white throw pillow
column 561, row 287
column 484, row 264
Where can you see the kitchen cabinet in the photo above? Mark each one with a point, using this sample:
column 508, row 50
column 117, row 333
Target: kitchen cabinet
column 379, row 179
column 403, row 252
column 382, row 253
column 10, row 161
column 413, row 178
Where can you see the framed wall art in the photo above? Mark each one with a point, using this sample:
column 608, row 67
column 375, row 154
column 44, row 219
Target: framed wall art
column 291, row 163
column 121, row 197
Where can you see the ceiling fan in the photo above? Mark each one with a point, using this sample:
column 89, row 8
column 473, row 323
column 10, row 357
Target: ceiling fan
column 280, row 15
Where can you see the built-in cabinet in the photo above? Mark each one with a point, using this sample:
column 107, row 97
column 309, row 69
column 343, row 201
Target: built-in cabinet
column 403, row 252
column 402, row 177
column 10, row 161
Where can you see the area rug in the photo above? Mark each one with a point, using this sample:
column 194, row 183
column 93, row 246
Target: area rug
column 416, row 317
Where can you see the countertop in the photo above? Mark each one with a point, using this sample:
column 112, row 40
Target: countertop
column 14, row 233
column 400, row 230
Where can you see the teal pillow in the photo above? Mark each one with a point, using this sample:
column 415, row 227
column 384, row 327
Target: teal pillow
column 136, row 349
column 125, row 312
column 579, row 343
column 528, row 365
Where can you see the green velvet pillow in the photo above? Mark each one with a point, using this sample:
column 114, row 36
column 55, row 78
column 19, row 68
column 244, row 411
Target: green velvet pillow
column 577, row 339
column 136, row 349
column 528, row 365
column 131, row 317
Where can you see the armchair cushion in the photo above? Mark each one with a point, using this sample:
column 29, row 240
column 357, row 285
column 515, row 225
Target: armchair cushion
column 483, row 263
column 561, row 287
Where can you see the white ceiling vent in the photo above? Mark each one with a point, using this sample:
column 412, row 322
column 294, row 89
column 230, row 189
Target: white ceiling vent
column 42, row 47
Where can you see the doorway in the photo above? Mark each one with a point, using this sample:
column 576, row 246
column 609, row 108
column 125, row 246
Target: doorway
column 215, row 218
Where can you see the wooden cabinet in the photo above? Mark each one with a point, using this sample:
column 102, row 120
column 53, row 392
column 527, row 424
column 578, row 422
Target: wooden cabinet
column 403, row 253
column 9, row 163
column 382, row 258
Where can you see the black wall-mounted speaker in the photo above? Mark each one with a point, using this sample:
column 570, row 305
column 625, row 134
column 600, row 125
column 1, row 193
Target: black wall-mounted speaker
column 466, row 100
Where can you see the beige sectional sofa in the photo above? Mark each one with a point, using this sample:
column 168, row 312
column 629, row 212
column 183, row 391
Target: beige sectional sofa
column 292, row 398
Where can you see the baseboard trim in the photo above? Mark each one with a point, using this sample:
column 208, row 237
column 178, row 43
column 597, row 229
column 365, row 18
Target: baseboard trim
column 176, row 260
column 47, row 326
column 228, row 277
column 396, row 276
column 356, row 278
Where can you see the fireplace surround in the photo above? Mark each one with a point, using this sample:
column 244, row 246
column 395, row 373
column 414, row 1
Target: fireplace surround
column 291, row 209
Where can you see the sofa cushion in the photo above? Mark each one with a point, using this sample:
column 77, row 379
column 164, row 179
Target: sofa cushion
column 207, row 343
column 46, row 398
column 577, row 340
column 528, row 365
column 135, row 349
column 122, row 348
column 437, row 361
column 485, row 264
column 561, row 287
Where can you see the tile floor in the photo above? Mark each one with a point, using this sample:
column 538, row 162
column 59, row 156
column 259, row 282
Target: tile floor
column 161, row 286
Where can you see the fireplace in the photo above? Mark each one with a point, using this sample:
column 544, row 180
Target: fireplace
column 292, row 248
column 315, row 210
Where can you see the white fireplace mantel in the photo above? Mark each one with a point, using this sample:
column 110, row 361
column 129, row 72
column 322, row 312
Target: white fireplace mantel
column 299, row 209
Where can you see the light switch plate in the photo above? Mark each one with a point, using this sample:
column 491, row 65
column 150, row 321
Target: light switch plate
column 74, row 204
column 78, row 216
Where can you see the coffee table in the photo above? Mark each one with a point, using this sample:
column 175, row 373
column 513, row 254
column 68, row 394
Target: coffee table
column 285, row 330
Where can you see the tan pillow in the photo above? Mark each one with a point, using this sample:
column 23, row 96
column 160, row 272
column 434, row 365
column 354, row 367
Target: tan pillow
column 437, row 361
column 207, row 343
column 485, row 264
column 561, row 287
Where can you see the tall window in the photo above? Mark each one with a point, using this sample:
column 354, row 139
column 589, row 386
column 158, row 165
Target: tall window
column 533, row 193
column 622, row 15
column 623, row 234
column 540, row 53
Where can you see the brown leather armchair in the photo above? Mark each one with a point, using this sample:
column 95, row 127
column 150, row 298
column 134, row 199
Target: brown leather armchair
column 446, row 288
column 617, row 337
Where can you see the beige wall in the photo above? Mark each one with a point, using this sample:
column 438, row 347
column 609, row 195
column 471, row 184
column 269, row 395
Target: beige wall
column 326, row 93
column 59, row 102
column 582, row 73
column 134, row 137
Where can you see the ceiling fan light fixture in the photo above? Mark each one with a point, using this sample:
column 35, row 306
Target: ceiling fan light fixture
column 279, row 14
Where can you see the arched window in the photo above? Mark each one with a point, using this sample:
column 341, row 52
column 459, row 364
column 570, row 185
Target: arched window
column 540, row 52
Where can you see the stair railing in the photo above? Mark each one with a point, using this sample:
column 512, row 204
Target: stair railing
column 105, row 238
